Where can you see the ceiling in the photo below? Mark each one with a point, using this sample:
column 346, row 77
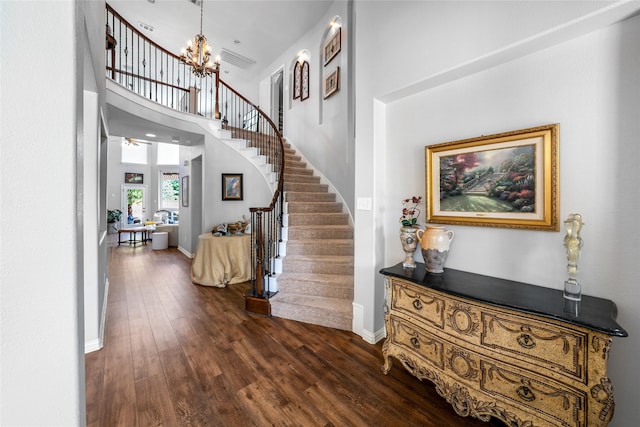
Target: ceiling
column 259, row 30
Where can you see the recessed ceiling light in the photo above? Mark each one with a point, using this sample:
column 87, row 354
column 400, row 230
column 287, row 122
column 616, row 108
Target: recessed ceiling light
column 150, row 135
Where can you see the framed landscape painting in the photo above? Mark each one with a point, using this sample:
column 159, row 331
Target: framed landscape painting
column 504, row 180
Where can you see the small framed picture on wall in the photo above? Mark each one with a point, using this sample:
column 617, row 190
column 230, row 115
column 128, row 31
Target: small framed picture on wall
column 133, row 178
column 232, row 186
column 332, row 83
column 184, row 190
column 333, row 46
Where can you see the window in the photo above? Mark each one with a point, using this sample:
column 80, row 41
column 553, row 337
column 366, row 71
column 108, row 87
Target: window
column 134, row 153
column 168, row 154
column 169, row 190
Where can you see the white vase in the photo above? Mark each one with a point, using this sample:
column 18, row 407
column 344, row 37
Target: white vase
column 409, row 242
column 435, row 243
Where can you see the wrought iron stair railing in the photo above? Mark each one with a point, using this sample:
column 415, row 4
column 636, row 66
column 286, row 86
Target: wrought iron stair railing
column 138, row 63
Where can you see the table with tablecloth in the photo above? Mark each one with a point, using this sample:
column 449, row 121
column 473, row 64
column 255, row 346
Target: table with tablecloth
column 221, row 260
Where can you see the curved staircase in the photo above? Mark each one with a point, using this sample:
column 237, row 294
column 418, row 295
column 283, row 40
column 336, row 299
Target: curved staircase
column 316, row 283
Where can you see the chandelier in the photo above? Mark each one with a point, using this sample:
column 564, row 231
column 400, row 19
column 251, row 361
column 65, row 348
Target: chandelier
column 197, row 54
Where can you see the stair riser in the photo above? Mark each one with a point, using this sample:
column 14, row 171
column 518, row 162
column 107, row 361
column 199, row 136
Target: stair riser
column 316, row 289
column 305, row 188
column 296, row 207
column 310, row 197
column 294, row 165
column 320, row 219
column 295, row 266
column 313, row 316
column 297, row 171
column 319, row 249
column 301, row 234
column 298, row 247
column 301, row 178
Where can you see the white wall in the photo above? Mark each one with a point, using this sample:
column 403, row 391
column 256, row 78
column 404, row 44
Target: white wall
column 588, row 84
column 42, row 337
column 318, row 127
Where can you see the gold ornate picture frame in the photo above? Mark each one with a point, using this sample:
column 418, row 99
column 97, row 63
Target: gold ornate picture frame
column 508, row 180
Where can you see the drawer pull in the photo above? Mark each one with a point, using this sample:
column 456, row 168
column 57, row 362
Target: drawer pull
column 525, row 393
column 526, row 341
column 417, row 304
column 415, row 342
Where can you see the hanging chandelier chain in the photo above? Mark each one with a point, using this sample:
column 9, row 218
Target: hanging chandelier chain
column 201, row 7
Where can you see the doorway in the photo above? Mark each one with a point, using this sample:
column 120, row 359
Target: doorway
column 134, row 197
column 277, row 98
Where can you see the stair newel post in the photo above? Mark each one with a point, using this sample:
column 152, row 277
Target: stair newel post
column 256, row 301
column 217, row 100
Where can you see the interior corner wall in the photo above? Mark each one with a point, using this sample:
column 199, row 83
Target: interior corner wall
column 42, row 381
column 589, row 86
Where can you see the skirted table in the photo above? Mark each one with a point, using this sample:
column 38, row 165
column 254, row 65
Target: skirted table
column 221, row 260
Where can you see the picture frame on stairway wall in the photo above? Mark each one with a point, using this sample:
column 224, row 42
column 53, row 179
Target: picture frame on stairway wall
column 508, row 180
column 297, row 80
column 304, row 94
column 332, row 83
column 333, row 46
column 232, row 186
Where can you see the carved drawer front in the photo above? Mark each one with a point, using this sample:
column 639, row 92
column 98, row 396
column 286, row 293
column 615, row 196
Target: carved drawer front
column 549, row 346
column 415, row 339
column 415, row 302
column 563, row 405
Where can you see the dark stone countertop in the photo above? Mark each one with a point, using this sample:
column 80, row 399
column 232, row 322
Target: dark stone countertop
column 594, row 313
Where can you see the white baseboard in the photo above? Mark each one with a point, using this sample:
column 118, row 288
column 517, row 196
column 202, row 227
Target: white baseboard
column 93, row 345
column 358, row 326
column 185, row 252
column 357, row 323
column 98, row 343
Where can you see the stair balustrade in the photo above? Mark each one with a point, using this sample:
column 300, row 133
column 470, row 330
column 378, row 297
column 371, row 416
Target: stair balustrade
column 139, row 64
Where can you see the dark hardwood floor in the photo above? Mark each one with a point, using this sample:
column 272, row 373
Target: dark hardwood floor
column 179, row 354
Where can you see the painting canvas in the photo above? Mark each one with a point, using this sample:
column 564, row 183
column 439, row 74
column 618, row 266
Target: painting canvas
column 231, row 186
column 133, row 178
column 332, row 83
column 333, row 46
column 184, row 189
column 502, row 180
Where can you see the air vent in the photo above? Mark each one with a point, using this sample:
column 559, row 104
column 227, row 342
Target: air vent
column 236, row 59
column 145, row 27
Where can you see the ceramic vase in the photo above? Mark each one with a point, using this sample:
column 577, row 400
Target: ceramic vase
column 409, row 245
column 435, row 243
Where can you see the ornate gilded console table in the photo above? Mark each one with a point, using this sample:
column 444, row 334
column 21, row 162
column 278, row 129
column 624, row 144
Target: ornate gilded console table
column 498, row 348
